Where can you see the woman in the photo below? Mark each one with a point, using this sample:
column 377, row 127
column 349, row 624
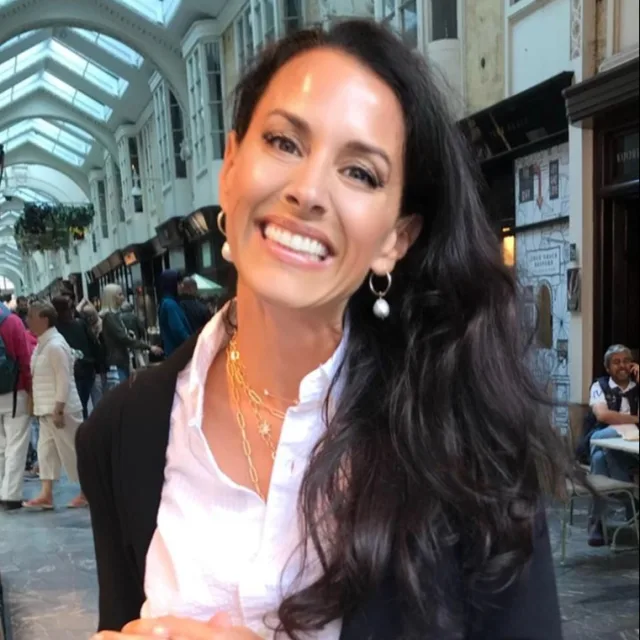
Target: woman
column 368, row 382
column 174, row 326
column 117, row 340
column 79, row 337
column 90, row 315
column 56, row 404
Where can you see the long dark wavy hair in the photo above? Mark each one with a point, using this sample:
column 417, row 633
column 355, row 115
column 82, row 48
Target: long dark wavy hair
column 440, row 442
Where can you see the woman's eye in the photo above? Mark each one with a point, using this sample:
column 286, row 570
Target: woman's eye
column 281, row 143
column 362, row 175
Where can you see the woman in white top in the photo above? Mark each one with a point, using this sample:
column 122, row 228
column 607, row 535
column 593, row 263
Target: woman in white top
column 355, row 448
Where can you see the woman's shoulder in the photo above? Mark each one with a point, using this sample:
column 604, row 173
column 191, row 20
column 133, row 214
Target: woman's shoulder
column 146, row 398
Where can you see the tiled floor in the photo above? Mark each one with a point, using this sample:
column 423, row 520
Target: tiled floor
column 48, row 573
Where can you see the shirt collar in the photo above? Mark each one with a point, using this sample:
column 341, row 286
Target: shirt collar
column 215, row 337
column 615, row 385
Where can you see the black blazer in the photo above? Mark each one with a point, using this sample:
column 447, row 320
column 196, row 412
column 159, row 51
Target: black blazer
column 121, row 460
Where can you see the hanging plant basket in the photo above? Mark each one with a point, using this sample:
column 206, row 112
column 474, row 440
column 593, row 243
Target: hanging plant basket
column 50, row 227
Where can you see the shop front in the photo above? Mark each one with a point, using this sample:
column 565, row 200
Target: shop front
column 181, row 255
column 608, row 103
column 522, row 145
column 203, row 245
column 145, row 263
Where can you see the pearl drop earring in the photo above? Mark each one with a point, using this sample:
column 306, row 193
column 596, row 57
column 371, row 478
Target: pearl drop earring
column 381, row 307
column 226, row 249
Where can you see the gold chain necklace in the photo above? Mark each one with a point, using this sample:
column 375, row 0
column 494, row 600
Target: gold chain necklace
column 237, row 381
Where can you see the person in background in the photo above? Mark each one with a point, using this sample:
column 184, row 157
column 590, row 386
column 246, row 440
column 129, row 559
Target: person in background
column 613, row 400
column 136, row 330
column 94, row 323
column 76, row 332
column 131, row 321
column 117, row 340
column 22, row 309
column 15, row 406
column 194, row 308
column 172, row 320
column 56, row 404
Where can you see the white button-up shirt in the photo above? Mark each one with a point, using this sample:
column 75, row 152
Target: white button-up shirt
column 217, row 547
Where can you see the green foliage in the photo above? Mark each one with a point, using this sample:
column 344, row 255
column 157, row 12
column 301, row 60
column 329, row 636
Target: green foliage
column 50, row 227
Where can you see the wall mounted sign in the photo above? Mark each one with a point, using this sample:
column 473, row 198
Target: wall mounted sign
column 130, row 258
column 543, row 262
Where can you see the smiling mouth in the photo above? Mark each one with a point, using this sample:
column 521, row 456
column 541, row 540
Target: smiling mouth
column 305, row 246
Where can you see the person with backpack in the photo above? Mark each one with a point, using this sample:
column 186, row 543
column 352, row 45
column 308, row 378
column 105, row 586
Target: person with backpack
column 15, row 406
column 613, row 402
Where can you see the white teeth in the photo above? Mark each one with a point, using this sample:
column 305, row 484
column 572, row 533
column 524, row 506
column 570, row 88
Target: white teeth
column 295, row 241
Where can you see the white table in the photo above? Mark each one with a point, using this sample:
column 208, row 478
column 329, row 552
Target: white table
column 628, row 446
column 619, row 444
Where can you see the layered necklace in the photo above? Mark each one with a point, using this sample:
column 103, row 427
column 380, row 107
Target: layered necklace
column 262, row 410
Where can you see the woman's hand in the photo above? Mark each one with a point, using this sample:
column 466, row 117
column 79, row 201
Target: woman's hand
column 170, row 628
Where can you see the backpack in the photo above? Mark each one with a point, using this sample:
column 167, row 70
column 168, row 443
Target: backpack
column 9, row 368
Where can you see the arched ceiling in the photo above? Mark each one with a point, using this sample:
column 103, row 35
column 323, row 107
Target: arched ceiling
column 71, row 73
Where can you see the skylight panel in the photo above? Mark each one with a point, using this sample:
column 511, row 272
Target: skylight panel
column 75, row 97
column 57, row 134
column 15, row 39
column 112, row 46
column 18, row 90
column 16, row 142
column 84, row 67
column 15, row 130
column 68, row 156
column 149, row 9
column 48, row 137
column 32, row 196
column 76, row 131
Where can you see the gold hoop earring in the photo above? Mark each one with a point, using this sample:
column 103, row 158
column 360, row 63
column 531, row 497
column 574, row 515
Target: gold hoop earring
column 381, row 307
column 226, row 249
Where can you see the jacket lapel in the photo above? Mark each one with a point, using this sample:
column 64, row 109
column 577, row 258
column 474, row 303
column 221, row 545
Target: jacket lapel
column 142, row 450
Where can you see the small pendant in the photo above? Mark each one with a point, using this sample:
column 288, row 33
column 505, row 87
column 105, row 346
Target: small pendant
column 264, row 429
column 234, row 355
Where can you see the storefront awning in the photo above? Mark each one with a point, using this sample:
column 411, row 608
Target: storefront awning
column 603, row 93
column 170, row 233
column 200, row 223
column 514, row 125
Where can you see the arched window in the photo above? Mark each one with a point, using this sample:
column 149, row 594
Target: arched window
column 545, row 317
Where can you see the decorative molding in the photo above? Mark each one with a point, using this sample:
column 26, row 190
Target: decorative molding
column 619, row 58
column 576, row 29
column 200, row 31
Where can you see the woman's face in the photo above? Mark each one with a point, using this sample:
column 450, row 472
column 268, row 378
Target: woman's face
column 119, row 298
column 312, row 193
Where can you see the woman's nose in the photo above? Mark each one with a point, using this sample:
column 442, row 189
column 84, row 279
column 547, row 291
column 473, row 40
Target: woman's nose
column 307, row 192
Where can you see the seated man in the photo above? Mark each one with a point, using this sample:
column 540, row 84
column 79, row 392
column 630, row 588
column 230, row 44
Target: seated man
column 614, row 405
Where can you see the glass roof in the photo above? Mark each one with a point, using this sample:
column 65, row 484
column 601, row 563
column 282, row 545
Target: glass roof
column 48, row 136
column 31, row 195
column 113, row 47
column 158, row 11
column 55, row 50
column 12, row 41
column 47, row 81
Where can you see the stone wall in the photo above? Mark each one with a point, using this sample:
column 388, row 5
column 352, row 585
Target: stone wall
column 484, row 53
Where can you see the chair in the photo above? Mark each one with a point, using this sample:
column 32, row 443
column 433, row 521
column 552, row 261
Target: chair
column 602, row 485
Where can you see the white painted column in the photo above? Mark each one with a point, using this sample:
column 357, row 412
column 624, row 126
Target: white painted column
column 581, row 218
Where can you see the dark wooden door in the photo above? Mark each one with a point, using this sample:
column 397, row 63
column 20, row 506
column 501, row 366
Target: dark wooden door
column 617, row 276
